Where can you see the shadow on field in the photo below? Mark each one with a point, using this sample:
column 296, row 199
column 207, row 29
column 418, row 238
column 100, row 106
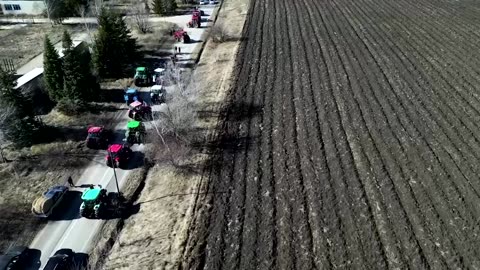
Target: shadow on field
column 68, row 209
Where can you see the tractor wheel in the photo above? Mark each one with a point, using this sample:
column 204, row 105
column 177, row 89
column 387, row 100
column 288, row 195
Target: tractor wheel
column 82, row 212
column 97, row 213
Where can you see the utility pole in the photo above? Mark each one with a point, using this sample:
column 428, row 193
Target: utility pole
column 114, row 173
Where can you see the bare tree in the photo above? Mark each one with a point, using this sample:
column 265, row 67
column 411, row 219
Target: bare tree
column 51, row 8
column 140, row 18
column 219, row 33
column 82, row 11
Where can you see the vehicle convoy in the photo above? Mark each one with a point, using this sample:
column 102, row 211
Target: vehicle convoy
column 157, row 94
column 131, row 95
column 98, row 137
column 94, row 200
column 135, row 132
column 118, row 155
column 196, row 19
column 44, row 205
column 18, row 257
column 181, row 36
column 139, row 110
column 142, row 77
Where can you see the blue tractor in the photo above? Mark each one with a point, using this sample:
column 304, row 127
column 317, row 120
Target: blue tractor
column 131, row 95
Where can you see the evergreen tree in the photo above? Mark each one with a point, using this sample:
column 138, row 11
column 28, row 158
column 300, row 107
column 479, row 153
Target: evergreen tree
column 159, row 7
column 53, row 72
column 79, row 83
column 170, row 7
column 66, row 40
column 20, row 126
column 114, row 47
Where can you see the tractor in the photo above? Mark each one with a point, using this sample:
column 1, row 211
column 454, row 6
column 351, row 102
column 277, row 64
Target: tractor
column 94, row 202
column 157, row 94
column 131, row 95
column 196, row 20
column 118, row 155
column 139, row 110
column 181, row 35
column 143, row 76
column 135, row 132
column 158, row 76
column 97, row 137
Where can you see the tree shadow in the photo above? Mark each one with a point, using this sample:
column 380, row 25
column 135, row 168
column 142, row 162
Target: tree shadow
column 137, row 161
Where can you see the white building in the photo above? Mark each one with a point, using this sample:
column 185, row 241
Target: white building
column 14, row 7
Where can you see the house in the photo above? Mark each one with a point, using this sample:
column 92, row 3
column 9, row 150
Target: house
column 13, row 7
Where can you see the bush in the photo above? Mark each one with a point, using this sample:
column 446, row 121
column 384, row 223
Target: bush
column 72, row 107
column 219, row 33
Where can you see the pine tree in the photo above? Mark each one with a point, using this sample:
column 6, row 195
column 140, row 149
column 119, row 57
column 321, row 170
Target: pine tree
column 66, row 40
column 170, row 7
column 159, row 7
column 53, row 72
column 20, row 126
column 114, row 47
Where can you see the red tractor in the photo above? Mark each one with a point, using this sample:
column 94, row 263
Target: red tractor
column 118, row 155
column 181, row 35
column 97, row 137
column 139, row 110
column 196, row 20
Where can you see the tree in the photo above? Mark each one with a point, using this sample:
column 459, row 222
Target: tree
column 114, row 48
column 53, row 72
column 66, row 40
column 79, row 83
column 158, row 7
column 140, row 19
column 171, row 7
column 165, row 7
column 19, row 125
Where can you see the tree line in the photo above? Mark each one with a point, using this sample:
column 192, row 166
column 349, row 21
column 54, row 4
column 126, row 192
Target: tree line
column 72, row 81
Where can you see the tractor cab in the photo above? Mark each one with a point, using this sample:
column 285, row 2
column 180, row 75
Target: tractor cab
column 139, row 110
column 157, row 94
column 94, row 200
column 97, row 137
column 158, row 75
column 181, row 35
column 118, row 155
column 196, row 20
column 142, row 76
column 135, row 132
column 131, row 95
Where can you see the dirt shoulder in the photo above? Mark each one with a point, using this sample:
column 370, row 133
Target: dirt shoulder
column 157, row 236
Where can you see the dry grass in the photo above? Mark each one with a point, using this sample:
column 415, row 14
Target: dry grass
column 154, row 237
column 23, row 44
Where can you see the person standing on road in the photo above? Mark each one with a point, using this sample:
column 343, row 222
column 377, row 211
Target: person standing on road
column 70, row 181
column 179, row 50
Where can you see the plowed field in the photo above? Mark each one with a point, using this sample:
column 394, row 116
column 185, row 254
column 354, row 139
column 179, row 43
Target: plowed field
column 352, row 139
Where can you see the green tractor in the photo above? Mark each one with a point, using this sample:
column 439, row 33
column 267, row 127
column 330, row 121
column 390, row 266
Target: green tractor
column 135, row 132
column 143, row 76
column 94, row 202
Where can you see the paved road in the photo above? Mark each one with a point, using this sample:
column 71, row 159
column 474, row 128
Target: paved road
column 74, row 232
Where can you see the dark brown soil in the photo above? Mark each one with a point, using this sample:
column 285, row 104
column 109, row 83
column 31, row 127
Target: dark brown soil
column 351, row 140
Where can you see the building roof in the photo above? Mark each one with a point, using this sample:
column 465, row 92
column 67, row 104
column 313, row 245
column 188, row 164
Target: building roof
column 34, row 73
